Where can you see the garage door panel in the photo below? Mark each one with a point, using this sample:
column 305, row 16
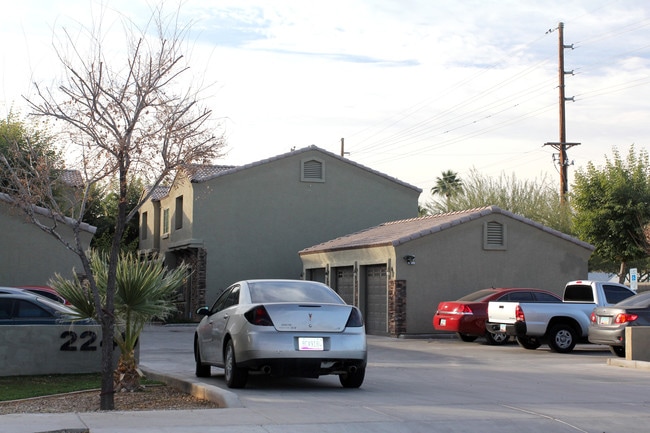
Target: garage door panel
column 376, row 299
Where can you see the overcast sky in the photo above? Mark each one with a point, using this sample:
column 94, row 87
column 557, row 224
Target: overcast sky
column 414, row 87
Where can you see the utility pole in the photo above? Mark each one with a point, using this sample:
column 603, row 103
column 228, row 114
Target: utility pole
column 343, row 152
column 562, row 145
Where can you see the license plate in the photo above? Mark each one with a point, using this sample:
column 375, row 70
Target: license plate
column 310, row 343
column 603, row 320
column 502, row 327
column 443, row 322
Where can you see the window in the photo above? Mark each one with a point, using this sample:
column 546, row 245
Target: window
column 615, row 294
column 165, row 223
column 178, row 213
column 144, row 227
column 227, row 299
column 494, row 236
column 312, row 170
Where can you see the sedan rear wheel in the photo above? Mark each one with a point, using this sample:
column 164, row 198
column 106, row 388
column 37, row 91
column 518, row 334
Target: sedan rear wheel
column 466, row 338
column 353, row 380
column 202, row 370
column 530, row 343
column 236, row 377
column 618, row 351
column 497, row 339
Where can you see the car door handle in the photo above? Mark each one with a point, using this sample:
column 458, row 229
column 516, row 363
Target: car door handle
column 225, row 316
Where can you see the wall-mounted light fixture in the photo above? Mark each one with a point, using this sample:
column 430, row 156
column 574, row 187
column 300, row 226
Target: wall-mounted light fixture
column 410, row 259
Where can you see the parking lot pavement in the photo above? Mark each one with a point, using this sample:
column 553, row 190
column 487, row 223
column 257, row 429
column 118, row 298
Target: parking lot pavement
column 430, row 385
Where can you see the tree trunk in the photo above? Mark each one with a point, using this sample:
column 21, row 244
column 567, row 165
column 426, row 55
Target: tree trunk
column 107, row 396
column 622, row 273
column 127, row 376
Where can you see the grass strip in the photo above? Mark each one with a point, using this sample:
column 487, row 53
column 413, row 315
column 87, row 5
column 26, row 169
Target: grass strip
column 20, row 387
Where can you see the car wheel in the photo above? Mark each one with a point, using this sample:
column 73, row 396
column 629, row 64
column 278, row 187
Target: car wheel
column 618, row 350
column 236, row 377
column 562, row 338
column 530, row 343
column 466, row 338
column 497, row 339
column 202, row 370
column 353, row 380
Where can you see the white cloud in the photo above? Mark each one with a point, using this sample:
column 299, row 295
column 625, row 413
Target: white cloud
column 414, row 87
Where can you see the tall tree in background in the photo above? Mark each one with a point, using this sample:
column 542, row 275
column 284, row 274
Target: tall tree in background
column 537, row 200
column 120, row 117
column 20, row 141
column 103, row 202
column 448, row 185
column 612, row 206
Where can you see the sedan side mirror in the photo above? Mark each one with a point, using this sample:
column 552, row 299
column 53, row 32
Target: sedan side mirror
column 203, row 311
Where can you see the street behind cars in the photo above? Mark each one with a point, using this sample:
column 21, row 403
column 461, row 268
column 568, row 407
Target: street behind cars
column 281, row 328
column 608, row 323
column 467, row 316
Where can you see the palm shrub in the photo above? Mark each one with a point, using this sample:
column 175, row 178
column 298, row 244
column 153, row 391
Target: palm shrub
column 144, row 291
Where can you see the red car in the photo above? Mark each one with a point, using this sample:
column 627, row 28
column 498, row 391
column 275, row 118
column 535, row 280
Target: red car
column 466, row 316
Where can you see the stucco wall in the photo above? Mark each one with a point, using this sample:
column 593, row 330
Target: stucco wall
column 453, row 263
column 51, row 349
column 29, row 256
column 253, row 222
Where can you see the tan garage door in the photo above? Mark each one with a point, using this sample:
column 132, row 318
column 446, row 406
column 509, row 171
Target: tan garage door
column 376, row 302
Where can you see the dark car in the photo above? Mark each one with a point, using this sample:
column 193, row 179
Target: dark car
column 608, row 323
column 26, row 308
column 467, row 316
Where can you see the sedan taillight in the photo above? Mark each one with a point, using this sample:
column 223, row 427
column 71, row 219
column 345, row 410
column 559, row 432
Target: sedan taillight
column 593, row 317
column 355, row 320
column 259, row 316
column 625, row 318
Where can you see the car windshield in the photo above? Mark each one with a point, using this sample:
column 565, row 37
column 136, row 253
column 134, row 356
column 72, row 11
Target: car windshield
column 640, row 300
column 290, row 291
column 477, row 296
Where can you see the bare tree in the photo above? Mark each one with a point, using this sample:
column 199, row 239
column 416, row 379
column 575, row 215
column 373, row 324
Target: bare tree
column 120, row 118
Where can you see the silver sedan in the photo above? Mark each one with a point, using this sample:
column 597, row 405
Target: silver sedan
column 608, row 323
column 281, row 328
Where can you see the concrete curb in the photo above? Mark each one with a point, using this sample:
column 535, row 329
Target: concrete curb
column 641, row 365
column 225, row 399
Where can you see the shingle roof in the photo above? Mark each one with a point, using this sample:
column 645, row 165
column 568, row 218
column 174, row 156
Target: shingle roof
column 398, row 232
column 202, row 173
column 158, row 193
column 49, row 214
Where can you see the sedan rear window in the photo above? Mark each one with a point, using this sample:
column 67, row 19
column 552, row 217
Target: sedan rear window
column 641, row 300
column 477, row 296
column 288, row 291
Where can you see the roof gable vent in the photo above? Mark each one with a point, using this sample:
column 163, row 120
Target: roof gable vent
column 312, row 170
column 494, row 236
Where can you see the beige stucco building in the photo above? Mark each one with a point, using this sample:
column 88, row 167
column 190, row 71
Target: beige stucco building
column 399, row 271
column 234, row 223
column 28, row 255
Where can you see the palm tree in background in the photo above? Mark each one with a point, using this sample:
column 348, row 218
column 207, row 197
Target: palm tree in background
column 448, row 185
